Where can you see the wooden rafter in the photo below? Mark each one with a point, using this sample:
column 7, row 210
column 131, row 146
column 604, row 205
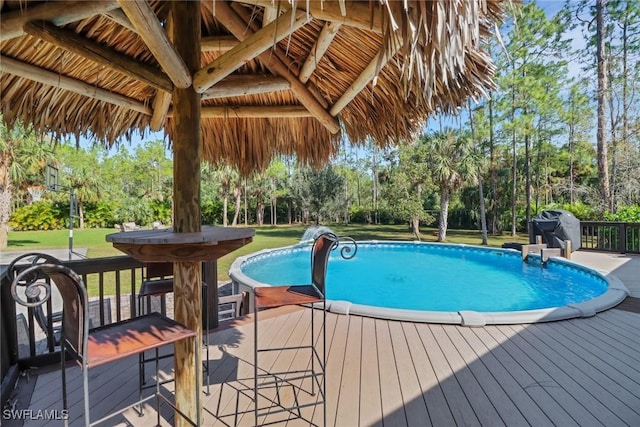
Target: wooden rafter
column 150, row 30
column 284, row 60
column 161, row 104
column 37, row 74
column 254, row 112
column 118, row 16
column 100, row 54
column 239, row 85
column 358, row 15
column 162, row 101
column 218, row 43
column 364, row 78
column 239, row 27
column 270, row 14
column 57, row 12
column 325, row 38
column 247, row 50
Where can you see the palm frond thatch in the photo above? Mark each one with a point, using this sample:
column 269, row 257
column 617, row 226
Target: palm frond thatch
column 426, row 56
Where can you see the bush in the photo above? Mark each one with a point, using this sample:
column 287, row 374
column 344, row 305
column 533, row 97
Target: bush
column 42, row 215
column 161, row 211
column 100, row 214
column 625, row 214
column 135, row 210
column 579, row 210
column 360, row 215
column 211, row 212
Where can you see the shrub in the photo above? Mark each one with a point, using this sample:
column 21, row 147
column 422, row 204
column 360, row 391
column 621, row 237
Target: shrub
column 100, row 214
column 42, row 215
column 135, row 210
column 161, row 210
column 211, row 212
column 625, row 214
column 579, row 210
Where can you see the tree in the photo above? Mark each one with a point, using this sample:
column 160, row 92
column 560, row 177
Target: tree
column 453, row 162
column 81, row 171
column 22, row 156
column 405, row 180
column 317, row 191
column 603, row 87
column 227, row 176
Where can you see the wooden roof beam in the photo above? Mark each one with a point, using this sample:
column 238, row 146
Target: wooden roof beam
column 240, row 85
column 218, row 43
column 37, row 74
column 100, row 54
column 269, row 15
column 150, row 30
column 118, row 16
column 255, row 112
column 325, row 38
column 358, row 14
column 57, row 12
column 248, row 49
column 161, row 104
column 238, row 27
column 365, row 78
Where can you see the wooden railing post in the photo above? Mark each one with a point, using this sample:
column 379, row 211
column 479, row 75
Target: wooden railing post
column 210, row 306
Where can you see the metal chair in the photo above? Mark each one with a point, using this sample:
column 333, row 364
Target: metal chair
column 49, row 322
column 314, row 293
column 158, row 282
column 109, row 343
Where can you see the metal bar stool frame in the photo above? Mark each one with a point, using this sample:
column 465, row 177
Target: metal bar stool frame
column 94, row 347
column 158, row 283
column 312, row 295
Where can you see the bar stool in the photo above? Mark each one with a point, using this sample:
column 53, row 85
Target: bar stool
column 158, row 282
column 109, row 343
column 314, row 293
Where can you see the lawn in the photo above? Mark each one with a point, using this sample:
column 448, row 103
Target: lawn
column 266, row 237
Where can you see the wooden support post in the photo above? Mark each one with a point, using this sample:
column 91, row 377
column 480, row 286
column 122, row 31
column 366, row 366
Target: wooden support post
column 186, row 198
column 567, row 249
column 546, row 253
column 538, row 239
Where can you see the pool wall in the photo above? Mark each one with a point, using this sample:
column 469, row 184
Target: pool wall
column 616, row 293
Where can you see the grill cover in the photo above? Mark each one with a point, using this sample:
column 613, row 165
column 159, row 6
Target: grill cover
column 556, row 226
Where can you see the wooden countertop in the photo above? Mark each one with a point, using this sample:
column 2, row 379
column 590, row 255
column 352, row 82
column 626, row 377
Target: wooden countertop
column 208, row 244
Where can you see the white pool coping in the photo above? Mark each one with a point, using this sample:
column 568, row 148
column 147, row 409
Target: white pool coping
column 615, row 294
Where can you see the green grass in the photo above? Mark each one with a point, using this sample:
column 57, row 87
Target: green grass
column 266, row 237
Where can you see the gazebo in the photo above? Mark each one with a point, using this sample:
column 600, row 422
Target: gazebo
column 238, row 82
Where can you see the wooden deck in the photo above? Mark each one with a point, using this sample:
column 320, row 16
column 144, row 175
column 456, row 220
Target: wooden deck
column 581, row 372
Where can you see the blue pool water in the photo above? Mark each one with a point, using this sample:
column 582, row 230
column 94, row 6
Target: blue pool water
column 434, row 277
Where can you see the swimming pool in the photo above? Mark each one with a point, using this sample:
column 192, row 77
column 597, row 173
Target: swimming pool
column 441, row 283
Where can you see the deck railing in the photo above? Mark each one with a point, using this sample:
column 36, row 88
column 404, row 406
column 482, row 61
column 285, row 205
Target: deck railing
column 112, row 283
column 621, row 237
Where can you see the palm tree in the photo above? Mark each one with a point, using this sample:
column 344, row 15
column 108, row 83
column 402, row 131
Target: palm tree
column 453, row 162
column 227, row 177
column 21, row 156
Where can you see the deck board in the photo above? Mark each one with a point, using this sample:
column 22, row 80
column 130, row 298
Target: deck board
column 581, row 372
column 370, row 400
column 415, row 407
column 503, row 405
column 584, row 408
column 437, row 407
column 347, row 411
column 460, row 407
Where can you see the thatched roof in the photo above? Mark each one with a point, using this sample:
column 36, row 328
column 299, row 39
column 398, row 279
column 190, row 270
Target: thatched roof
column 363, row 69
